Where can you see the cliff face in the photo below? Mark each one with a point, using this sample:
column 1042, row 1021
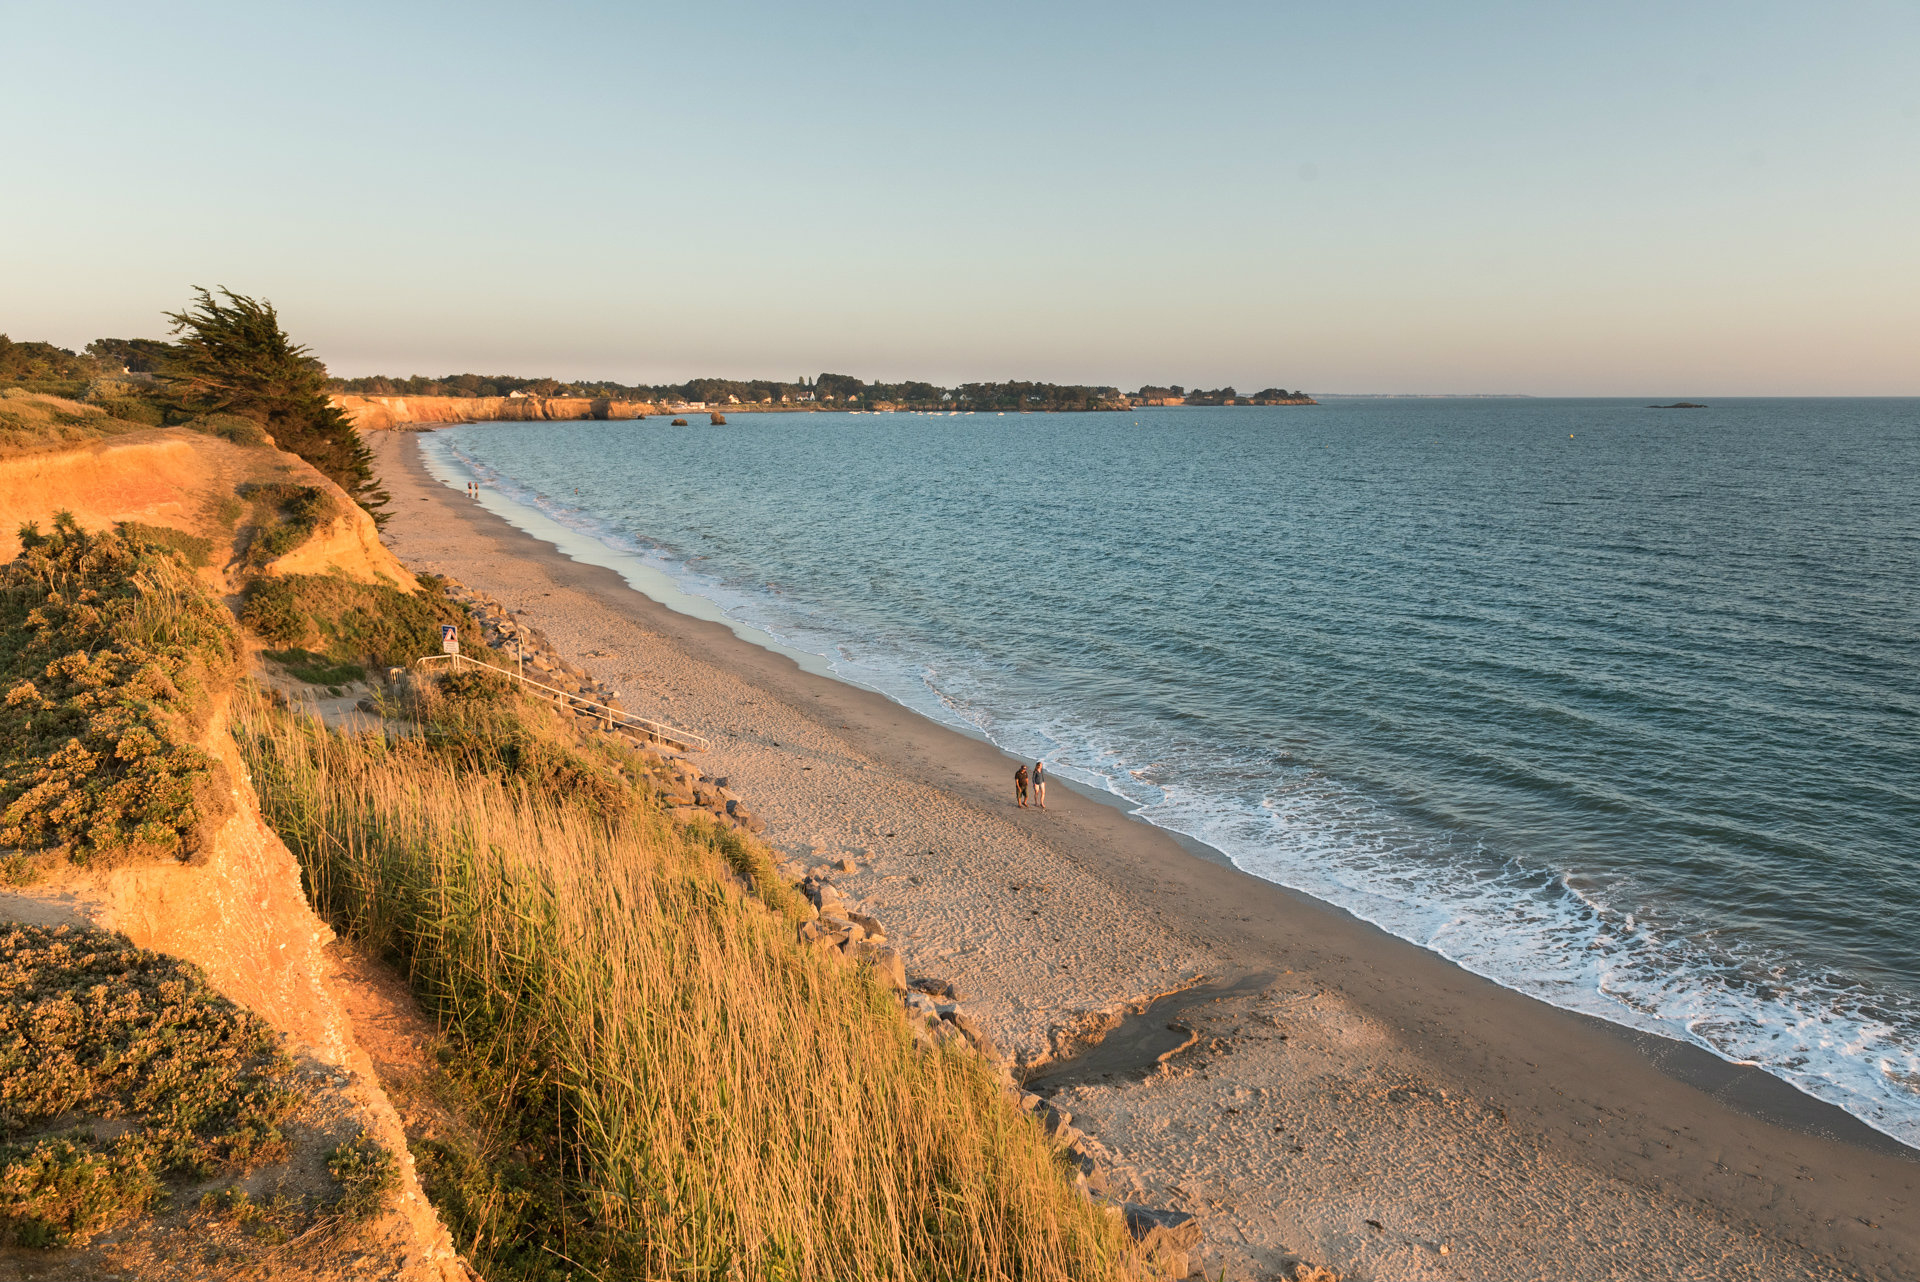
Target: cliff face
column 239, row 912
column 238, row 909
column 386, row 413
column 153, row 477
column 180, row 479
column 349, row 544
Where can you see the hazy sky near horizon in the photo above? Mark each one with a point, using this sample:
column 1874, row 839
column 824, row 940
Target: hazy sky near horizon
column 1621, row 198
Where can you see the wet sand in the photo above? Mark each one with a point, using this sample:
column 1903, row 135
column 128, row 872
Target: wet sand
column 1332, row 1095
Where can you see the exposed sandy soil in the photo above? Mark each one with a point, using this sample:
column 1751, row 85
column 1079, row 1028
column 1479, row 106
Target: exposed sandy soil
column 1350, row 1100
column 177, row 478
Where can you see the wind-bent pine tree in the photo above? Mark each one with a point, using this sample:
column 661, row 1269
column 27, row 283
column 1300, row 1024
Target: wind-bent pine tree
column 232, row 357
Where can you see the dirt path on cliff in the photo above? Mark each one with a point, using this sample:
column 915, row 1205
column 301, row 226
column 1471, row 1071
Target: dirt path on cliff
column 1351, row 1099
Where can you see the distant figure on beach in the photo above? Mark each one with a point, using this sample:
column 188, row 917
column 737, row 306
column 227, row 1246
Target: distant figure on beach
column 1020, row 787
column 1040, row 784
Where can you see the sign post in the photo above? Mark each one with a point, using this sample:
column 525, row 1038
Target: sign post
column 450, row 642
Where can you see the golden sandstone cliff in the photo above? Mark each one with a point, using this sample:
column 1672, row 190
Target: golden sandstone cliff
column 180, row 479
column 384, row 413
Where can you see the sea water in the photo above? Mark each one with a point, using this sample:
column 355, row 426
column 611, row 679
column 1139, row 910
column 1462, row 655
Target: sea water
column 1616, row 706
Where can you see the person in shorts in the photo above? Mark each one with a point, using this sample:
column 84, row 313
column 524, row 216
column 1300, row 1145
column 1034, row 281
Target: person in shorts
column 1020, row 787
column 1040, row 784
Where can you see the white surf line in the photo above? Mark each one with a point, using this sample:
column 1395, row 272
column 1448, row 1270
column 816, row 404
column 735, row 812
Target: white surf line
column 660, row 587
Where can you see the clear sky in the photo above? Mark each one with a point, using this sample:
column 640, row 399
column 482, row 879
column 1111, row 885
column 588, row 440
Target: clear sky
column 1605, row 198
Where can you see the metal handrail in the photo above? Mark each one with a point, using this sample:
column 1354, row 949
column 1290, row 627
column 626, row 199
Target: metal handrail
column 626, row 720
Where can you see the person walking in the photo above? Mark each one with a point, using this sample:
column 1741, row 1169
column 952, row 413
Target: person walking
column 1040, row 784
column 1020, row 787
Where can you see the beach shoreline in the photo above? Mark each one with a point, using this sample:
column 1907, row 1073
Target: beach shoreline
column 1365, row 1104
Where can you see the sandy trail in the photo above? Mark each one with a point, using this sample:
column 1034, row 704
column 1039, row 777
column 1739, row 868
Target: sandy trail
column 1361, row 1104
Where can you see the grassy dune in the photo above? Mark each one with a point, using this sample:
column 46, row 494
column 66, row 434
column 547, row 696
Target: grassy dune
column 36, row 423
column 665, row 1084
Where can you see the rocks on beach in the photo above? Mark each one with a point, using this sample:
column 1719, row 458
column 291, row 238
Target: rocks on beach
column 1165, row 1238
column 682, row 788
column 1167, row 1241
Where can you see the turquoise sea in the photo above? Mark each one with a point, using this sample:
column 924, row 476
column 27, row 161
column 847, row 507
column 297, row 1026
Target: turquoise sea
column 1619, row 707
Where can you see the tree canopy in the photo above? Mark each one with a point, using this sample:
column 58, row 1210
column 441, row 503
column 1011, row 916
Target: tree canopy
column 134, row 355
column 42, row 367
column 232, row 357
column 836, row 390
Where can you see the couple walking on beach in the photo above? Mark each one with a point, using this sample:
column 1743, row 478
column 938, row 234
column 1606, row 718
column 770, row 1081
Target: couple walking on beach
column 1039, row 781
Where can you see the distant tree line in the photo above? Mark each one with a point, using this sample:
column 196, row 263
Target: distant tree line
column 745, row 391
column 838, row 390
column 42, row 367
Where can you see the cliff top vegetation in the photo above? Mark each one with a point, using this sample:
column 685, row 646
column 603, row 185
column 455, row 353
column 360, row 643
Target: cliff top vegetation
column 39, row 422
column 326, row 621
column 229, row 365
column 92, row 1027
column 138, row 1105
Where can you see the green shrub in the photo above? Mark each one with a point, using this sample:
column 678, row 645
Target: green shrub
column 111, row 655
column 276, row 541
column 315, row 669
column 492, row 1191
column 474, row 685
column 132, row 409
column 271, row 1223
column 92, row 1028
column 42, row 367
column 194, row 550
column 371, row 624
column 229, row 427
column 752, row 861
column 366, row 1173
column 477, row 720
column 284, row 517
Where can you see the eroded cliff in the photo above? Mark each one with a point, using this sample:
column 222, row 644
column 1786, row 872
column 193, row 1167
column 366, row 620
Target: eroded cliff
column 236, row 910
column 384, row 413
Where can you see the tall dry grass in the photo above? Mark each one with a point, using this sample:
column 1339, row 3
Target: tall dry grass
column 727, row 1104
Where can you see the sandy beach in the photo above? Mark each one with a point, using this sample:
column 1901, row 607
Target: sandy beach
column 1329, row 1095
